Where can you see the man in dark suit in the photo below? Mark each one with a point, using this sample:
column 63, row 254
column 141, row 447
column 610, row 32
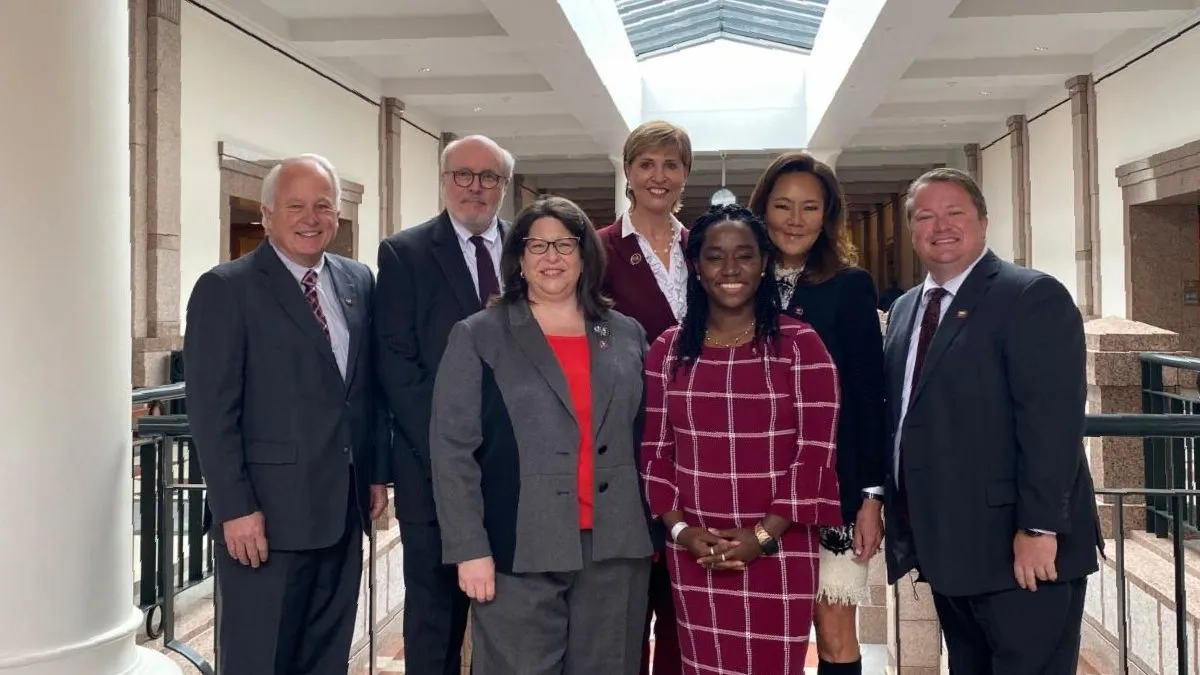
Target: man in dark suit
column 990, row 496
column 430, row 277
column 281, row 402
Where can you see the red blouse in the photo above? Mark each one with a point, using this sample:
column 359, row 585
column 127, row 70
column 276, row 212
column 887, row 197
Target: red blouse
column 575, row 361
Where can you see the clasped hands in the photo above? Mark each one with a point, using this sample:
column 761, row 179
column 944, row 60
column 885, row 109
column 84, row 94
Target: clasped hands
column 721, row 550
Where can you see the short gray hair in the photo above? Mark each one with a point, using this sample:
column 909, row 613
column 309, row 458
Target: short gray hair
column 268, row 186
column 507, row 162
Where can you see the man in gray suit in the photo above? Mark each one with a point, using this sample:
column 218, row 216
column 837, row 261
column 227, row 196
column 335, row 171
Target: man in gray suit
column 990, row 496
column 282, row 406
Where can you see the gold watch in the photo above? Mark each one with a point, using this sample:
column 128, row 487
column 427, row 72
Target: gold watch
column 769, row 544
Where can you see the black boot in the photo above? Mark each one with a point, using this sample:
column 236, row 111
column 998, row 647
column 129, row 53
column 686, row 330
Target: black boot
column 826, row 668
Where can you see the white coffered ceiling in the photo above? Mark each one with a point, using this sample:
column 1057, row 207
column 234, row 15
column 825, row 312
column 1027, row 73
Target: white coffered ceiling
column 512, row 69
column 948, row 72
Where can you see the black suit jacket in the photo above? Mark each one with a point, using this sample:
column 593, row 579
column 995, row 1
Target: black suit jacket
column 842, row 311
column 275, row 425
column 424, row 289
column 993, row 438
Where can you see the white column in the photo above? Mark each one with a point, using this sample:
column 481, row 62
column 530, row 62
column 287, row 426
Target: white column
column 620, row 199
column 65, row 463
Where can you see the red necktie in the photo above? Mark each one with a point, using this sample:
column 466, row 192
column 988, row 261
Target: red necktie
column 929, row 325
column 314, row 303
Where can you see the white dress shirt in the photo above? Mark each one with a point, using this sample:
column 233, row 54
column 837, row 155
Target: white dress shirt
column 327, row 297
column 952, row 286
column 492, row 241
column 672, row 280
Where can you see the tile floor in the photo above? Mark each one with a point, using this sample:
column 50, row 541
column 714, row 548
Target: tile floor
column 874, row 659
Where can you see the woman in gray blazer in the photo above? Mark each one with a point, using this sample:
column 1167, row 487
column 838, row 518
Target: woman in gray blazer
column 536, row 415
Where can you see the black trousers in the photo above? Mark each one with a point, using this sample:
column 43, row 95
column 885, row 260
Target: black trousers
column 435, row 609
column 293, row 615
column 1014, row 632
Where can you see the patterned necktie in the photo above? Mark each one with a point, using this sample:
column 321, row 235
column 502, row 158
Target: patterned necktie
column 929, row 325
column 314, row 303
column 488, row 283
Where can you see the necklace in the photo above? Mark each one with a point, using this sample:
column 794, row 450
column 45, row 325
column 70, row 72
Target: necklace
column 729, row 343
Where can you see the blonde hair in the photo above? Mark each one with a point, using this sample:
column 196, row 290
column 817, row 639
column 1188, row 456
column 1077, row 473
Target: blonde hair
column 653, row 135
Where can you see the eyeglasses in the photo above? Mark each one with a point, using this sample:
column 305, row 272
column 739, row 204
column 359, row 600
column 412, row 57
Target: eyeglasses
column 564, row 246
column 464, row 178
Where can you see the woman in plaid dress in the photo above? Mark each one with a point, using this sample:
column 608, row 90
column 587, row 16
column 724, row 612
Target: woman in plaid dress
column 738, row 456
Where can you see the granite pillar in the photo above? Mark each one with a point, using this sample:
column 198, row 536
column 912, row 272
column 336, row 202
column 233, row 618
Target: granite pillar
column 1087, row 222
column 1018, row 135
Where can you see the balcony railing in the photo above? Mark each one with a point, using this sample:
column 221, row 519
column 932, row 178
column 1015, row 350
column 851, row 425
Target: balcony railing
column 1170, row 458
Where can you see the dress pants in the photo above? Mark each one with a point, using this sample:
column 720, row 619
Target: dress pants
column 294, row 615
column 1014, row 632
column 587, row 622
column 667, row 659
column 435, row 609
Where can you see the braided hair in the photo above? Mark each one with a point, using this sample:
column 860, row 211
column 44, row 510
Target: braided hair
column 766, row 299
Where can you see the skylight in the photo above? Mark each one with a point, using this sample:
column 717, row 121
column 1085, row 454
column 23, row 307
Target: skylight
column 658, row 26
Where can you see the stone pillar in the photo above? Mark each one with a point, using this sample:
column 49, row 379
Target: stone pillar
column 974, row 161
column 391, row 116
column 906, row 257
column 1018, row 130
column 447, row 138
column 68, row 584
column 620, row 199
column 881, row 248
column 153, row 70
column 1087, row 222
column 914, row 634
column 1115, row 386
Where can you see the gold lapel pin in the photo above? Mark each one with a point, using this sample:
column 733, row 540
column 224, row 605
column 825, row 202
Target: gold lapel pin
column 960, row 314
column 635, row 258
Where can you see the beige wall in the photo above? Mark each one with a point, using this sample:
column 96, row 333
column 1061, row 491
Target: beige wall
column 1149, row 107
column 1052, row 195
column 419, row 185
column 997, row 186
column 257, row 101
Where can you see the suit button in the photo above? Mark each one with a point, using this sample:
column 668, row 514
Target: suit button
column 603, row 449
column 346, row 450
column 603, row 487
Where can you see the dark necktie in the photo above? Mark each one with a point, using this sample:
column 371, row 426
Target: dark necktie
column 314, row 303
column 489, row 285
column 929, row 324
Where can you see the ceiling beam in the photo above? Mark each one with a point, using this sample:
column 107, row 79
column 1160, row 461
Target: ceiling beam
column 1018, row 66
column 515, row 125
column 449, row 86
column 991, row 8
column 987, row 108
column 371, row 29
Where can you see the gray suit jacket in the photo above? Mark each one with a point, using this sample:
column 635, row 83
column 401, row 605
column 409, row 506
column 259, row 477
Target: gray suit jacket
column 504, row 444
column 275, row 424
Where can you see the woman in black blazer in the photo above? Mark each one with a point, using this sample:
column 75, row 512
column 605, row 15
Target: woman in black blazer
column 802, row 203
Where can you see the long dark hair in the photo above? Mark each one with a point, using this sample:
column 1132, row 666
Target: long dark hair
column 766, row 299
column 591, row 254
column 833, row 249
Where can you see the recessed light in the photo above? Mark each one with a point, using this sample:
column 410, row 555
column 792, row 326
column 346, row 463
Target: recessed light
column 985, row 92
column 478, row 108
column 1040, row 48
column 424, row 70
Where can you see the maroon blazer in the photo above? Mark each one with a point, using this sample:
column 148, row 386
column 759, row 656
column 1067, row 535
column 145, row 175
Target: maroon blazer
column 629, row 281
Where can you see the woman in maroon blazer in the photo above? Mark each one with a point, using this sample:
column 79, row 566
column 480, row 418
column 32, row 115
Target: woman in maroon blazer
column 646, row 277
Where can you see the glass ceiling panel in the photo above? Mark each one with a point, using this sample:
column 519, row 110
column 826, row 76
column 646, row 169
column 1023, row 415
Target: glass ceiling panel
column 657, row 26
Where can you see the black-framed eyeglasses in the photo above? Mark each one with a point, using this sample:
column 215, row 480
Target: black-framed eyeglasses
column 465, row 178
column 564, row 246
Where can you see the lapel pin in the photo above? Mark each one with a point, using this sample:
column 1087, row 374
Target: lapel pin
column 601, row 329
column 603, row 344
column 635, row 258
column 348, row 300
column 960, row 314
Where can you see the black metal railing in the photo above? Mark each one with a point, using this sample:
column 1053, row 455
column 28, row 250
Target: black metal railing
column 169, row 490
column 174, row 552
column 1149, row 426
column 1170, row 457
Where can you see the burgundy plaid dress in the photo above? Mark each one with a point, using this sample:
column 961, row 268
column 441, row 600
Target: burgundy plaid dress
column 734, row 438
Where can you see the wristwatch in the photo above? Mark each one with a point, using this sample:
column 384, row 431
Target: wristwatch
column 872, row 496
column 769, row 544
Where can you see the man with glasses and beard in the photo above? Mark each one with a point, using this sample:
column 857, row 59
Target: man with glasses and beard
column 430, row 277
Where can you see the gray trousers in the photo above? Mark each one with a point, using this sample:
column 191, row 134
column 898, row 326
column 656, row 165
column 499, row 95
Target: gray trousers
column 570, row 623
